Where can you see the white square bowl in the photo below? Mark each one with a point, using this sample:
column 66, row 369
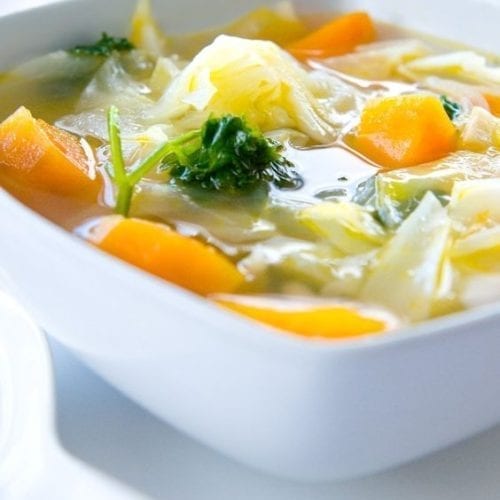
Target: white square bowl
column 309, row 410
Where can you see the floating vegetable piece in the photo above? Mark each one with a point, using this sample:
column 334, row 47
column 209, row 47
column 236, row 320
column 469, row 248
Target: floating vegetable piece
column 282, row 263
column 228, row 155
column 348, row 226
column 480, row 131
column 279, row 24
column 159, row 250
column 399, row 191
column 224, row 155
column 464, row 95
column 112, row 84
column 467, row 66
column 166, row 69
column 379, row 60
column 339, row 36
column 405, row 130
column 479, row 251
column 475, row 211
column 104, row 47
column 493, row 100
column 45, row 157
column 251, row 78
column 309, row 318
column 222, row 220
column 125, row 180
column 146, row 33
column 406, row 275
column 475, row 203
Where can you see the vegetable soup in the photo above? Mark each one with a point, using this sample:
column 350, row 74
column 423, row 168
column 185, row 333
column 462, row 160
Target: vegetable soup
column 331, row 181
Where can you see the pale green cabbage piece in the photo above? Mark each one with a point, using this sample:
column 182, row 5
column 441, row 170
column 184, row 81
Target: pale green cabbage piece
column 166, row 69
column 465, row 94
column 253, row 78
column 480, row 131
column 318, row 266
column 225, row 224
column 475, row 210
column 112, row 84
column 348, row 226
column 480, row 250
column 399, row 191
column 379, row 60
column 406, row 275
column 281, row 261
column 463, row 65
column 58, row 65
column 475, row 203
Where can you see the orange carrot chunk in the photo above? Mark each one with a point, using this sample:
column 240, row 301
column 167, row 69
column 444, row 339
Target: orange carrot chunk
column 159, row 250
column 37, row 154
column 493, row 101
column 339, row 36
column 404, row 131
column 333, row 321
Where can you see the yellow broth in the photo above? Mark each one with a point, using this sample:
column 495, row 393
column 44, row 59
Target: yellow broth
column 277, row 239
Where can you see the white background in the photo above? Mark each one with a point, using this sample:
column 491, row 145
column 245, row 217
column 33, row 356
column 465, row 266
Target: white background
column 102, row 427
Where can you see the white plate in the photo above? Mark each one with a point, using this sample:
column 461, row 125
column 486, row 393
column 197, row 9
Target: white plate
column 309, row 410
column 32, row 464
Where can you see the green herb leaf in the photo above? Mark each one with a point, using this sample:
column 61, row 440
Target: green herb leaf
column 224, row 155
column 452, row 108
column 103, row 47
column 228, row 155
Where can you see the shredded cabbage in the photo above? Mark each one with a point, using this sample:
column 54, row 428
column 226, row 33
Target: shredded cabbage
column 246, row 77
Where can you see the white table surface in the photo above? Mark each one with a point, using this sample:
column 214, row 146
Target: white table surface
column 97, row 424
column 110, row 432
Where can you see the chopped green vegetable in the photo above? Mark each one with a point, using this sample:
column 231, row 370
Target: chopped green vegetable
column 226, row 154
column 103, row 47
column 452, row 108
column 126, row 181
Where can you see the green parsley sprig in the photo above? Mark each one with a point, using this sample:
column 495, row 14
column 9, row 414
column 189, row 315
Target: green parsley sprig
column 103, row 47
column 224, row 155
column 230, row 156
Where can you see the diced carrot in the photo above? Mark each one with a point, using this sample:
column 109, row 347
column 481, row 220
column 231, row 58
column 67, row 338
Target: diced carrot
column 339, row 36
column 493, row 101
column 159, row 250
column 307, row 318
column 405, row 130
column 37, row 154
